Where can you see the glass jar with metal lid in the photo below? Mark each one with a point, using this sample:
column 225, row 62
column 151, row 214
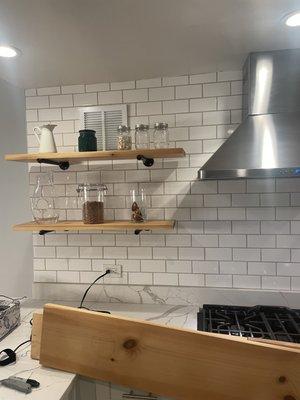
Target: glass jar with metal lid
column 124, row 138
column 142, row 136
column 161, row 135
column 92, row 198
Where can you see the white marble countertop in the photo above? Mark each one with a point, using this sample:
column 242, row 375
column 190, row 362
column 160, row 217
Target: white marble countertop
column 55, row 384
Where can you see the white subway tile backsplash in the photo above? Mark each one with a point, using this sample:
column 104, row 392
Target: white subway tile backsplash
column 114, row 97
column 188, row 91
column 61, row 100
column 240, row 234
column 203, row 78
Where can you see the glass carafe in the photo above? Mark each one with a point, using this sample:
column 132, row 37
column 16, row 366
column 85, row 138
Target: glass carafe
column 92, row 197
column 42, row 200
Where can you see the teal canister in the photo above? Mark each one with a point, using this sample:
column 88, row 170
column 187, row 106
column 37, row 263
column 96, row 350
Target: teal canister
column 87, row 140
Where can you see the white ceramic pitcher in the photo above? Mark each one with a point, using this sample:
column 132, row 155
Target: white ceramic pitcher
column 45, row 137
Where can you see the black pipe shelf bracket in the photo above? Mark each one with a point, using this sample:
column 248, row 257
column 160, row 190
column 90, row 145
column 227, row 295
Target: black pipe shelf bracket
column 64, row 165
column 43, row 232
column 148, row 162
column 138, row 231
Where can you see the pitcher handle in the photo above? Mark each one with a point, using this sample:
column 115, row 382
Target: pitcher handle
column 37, row 131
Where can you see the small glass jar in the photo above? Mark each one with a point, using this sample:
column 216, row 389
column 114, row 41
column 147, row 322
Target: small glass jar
column 138, row 206
column 142, row 136
column 92, row 202
column 124, row 138
column 42, row 200
column 161, row 135
column 87, row 140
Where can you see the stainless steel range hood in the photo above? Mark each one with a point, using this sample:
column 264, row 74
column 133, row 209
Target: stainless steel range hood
column 267, row 143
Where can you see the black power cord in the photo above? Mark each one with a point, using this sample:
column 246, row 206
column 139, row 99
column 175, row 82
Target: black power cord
column 108, row 271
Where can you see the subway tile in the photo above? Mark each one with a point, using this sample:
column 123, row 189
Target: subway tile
column 56, row 264
column 218, row 254
column 246, row 282
column 216, row 227
column 188, row 91
column 216, row 89
column 192, row 146
column 97, row 87
column 230, row 102
column 245, row 200
column 122, row 85
column 260, row 214
column 166, row 201
column 231, row 213
column 295, row 255
column 276, row 227
column 288, row 269
column 165, row 279
column 140, row 253
column 164, row 93
column 61, row 100
column 216, row 117
column 191, row 280
column 246, row 254
column 275, row 199
column 261, row 241
column 30, row 92
column 203, row 132
column 165, row 253
column 217, row 200
column 204, row 241
column 175, row 80
column 44, row 276
column 295, row 226
column 135, row 95
column 148, row 83
column 276, row 255
column 31, row 115
column 140, row 278
column 70, row 89
column 188, row 200
column 218, row 280
column 37, row 102
column 91, row 252
column 250, row 227
column 178, row 240
column 80, row 265
column 175, row 106
column 189, row 119
column 115, row 252
column 203, row 214
column 48, row 90
column 114, row 97
column 233, row 267
column 67, row 252
column 230, row 75
column 179, row 266
column 262, row 268
column 288, row 185
column 205, row 267
column 85, row 99
column 50, row 114
column 190, row 227
column 188, row 253
column 276, row 283
column 203, row 78
column 149, row 108
column 212, row 145
column 205, row 187
column 236, row 87
column 288, row 213
column 153, row 266
column 232, row 241
column 44, row 252
column 260, row 185
column 288, row 241
column 127, row 240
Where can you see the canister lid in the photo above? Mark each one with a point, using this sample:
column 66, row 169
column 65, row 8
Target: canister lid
column 141, row 127
column 123, row 128
column 160, row 125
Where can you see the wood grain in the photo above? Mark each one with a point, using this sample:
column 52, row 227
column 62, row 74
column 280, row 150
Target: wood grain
column 36, row 335
column 76, row 156
column 181, row 364
column 105, row 226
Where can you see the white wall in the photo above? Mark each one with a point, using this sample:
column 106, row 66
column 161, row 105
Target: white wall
column 15, row 248
column 229, row 234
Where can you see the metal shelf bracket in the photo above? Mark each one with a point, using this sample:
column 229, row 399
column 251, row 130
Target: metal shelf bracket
column 64, row 165
column 148, row 162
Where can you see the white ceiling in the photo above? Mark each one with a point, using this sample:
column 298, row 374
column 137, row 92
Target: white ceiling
column 86, row 41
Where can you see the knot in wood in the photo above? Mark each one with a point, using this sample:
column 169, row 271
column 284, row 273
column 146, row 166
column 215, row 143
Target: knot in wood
column 130, row 344
column 282, row 379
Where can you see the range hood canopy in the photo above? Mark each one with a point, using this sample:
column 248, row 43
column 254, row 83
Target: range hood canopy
column 267, row 143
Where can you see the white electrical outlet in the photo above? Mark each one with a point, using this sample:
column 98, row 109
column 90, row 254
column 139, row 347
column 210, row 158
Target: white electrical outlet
column 115, row 270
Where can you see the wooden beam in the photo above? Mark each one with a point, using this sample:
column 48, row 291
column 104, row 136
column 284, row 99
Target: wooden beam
column 36, row 335
column 181, row 364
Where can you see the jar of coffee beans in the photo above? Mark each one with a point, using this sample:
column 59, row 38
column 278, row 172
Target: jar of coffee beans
column 92, row 197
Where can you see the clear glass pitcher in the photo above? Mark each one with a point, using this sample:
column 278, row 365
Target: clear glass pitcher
column 42, row 200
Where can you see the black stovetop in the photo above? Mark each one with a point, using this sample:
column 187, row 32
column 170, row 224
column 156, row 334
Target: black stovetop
column 268, row 322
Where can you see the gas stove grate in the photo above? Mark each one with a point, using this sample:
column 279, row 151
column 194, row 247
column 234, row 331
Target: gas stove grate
column 275, row 323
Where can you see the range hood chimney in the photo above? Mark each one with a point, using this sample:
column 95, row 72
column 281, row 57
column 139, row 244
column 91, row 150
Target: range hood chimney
column 267, row 143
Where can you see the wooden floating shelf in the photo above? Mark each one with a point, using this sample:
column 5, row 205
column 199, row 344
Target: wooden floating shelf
column 61, row 226
column 76, row 156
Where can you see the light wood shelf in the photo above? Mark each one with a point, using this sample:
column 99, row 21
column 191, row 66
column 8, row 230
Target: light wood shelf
column 76, row 156
column 61, row 226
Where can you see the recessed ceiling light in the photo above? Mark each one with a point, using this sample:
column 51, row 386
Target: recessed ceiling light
column 293, row 20
column 9, row 51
